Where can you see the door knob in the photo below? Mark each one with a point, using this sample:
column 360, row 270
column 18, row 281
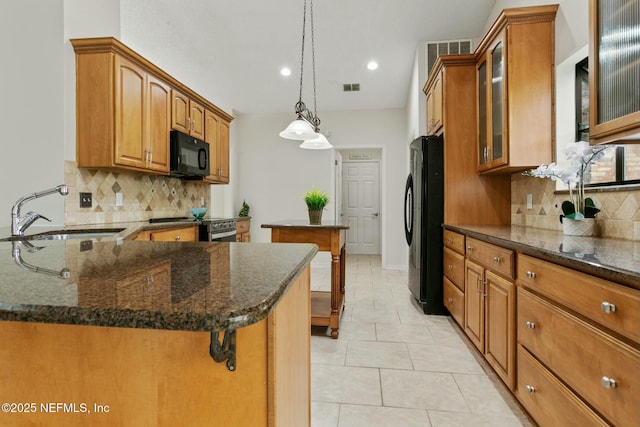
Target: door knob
column 375, row 214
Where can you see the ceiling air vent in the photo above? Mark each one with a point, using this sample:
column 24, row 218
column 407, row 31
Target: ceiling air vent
column 445, row 47
column 351, row 87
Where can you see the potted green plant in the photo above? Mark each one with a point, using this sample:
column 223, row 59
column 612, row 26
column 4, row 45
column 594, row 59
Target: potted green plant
column 316, row 200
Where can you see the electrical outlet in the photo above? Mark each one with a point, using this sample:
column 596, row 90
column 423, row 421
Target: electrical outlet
column 118, row 199
column 529, row 201
column 202, row 201
column 86, row 200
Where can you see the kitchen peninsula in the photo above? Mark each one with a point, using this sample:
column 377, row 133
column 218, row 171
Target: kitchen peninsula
column 122, row 332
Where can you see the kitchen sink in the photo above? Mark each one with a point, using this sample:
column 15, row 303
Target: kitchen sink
column 68, row 234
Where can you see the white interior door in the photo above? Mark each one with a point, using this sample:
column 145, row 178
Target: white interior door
column 338, row 185
column 361, row 206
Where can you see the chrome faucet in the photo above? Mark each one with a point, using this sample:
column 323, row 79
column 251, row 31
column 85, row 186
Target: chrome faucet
column 20, row 223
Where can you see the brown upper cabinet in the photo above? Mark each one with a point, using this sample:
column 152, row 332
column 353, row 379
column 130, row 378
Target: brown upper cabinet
column 187, row 115
column 515, row 91
column 614, row 72
column 126, row 107
column 434, row 106
column 217, row 135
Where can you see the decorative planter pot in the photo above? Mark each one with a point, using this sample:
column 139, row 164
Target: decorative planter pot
column 583, row 227
column 315, row 217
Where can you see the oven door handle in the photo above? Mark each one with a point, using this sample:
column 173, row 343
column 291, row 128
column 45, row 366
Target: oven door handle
column 215, row 236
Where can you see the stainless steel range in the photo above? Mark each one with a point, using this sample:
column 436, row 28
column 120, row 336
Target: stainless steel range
column 218, row 230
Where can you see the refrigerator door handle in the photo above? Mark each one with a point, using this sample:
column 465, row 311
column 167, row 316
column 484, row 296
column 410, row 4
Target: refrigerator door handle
column 408, row 209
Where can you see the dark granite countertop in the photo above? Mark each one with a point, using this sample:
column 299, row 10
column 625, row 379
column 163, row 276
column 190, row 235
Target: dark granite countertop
column 299, row 223
column 190, row 286
column 613, row 259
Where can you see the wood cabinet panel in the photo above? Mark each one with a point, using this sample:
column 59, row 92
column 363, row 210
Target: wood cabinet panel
column 217, row 135
column 453, row 300
column 454, row 267
column 584, row 357
column 474, row 304
column 609, row 304
column 184, row 234
column 549, row 401
column 454, row 241
column 500, row 317
column 498, row 259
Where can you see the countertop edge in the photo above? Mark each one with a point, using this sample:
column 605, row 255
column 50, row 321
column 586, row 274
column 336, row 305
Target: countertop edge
column 625, row 277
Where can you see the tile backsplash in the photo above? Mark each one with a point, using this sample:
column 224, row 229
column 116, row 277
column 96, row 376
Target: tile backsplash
column 619, row 215
column 144, row 196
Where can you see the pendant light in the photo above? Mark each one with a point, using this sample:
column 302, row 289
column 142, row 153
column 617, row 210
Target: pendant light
column 307, row 124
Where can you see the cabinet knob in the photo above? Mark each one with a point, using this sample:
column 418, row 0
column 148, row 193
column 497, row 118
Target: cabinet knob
column 608, row 382
column 449, row 240
column 450, row 267
column 469, row 248
column 531, row 274
column 177, row 237
column 530, row 325
column 149, row 280
column 450, row 299
column 496, row 259
column 530, row 388
column 607, row 307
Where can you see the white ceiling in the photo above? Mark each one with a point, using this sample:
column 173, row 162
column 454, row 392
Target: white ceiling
column 240, row 45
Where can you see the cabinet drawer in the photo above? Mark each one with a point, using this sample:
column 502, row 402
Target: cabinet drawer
column 184, row 234
column 454, row 267
column 495, row 258
column 453, row 240
column 548, row 401
column 242, row 227
column 453, row 300
column 590, row 296
column 583, row 357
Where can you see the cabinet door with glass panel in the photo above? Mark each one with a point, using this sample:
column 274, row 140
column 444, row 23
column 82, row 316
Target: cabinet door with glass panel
column 492, row 137
column 614, row 70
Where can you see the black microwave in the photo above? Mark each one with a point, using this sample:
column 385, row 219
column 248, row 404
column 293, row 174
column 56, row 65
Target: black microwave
column 189, row 156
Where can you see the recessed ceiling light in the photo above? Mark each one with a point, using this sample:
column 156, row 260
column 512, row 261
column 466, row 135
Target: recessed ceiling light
column 285, row 71
column 372, row 65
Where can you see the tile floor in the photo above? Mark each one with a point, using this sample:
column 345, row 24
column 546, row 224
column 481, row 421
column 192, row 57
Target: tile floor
column 394, row 366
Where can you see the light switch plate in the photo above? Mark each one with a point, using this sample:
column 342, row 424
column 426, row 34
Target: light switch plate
column 529, row 201
column 118, row 199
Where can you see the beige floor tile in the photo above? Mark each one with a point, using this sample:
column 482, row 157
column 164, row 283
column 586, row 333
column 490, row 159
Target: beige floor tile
column 350, row 330
column 366, row 314
column 439, row 358
column 368, row 416
column 421, row 390
column 345, row 384
column 324, row 414
column 399, row 332
column 481, row 395
column 373, row 354
column 327, row 351
column 453, row 419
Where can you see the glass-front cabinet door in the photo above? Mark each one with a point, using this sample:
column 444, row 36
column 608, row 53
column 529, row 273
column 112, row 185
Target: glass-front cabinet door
column 492, row 138
column 614, row 70
column 482, row 114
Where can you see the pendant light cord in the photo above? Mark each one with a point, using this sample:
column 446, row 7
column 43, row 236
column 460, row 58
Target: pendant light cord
column 313, row 62
column 304, row 27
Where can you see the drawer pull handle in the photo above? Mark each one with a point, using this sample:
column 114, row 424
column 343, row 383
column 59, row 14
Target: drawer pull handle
column 450, row 299
column 496, row 259
column 470, row 248
column 608, row 382
column 450, row 267
column 607, row 307
column 531, row 274
column 530, row 389
column 449, row 240
column 177, row 237
column 530, row 325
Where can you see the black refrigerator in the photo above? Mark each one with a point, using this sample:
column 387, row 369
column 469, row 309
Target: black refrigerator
column 423, row 218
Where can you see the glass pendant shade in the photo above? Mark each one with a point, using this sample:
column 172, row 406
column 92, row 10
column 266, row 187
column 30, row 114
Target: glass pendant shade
column 298, row 130
column 320, row 142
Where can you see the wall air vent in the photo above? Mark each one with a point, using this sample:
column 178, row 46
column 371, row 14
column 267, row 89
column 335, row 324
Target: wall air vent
column 351, row 87
column 445, row 47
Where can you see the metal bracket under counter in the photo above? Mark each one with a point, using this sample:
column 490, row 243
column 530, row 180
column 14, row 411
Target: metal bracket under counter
column 225, row 351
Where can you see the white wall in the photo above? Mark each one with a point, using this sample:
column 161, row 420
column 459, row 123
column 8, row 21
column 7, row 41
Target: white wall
column 32, row 113
column 275, row 173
